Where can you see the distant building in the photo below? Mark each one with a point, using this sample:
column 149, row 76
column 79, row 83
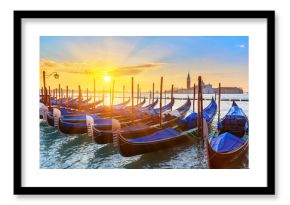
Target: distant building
column 188, row 82
column 230, row 90
column 208, row 89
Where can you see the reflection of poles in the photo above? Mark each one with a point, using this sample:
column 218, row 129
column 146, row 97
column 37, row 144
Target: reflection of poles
column 160, row 111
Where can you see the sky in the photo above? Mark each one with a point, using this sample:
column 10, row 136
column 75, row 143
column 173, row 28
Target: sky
column 80, row 59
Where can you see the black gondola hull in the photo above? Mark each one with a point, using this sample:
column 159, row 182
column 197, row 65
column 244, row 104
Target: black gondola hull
column 128, row 149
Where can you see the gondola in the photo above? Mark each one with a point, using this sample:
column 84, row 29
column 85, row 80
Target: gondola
column 72, row 113
column 183, row 132
column 150, row 106
column 143, row 128
column 228, row 149
column 80, row 127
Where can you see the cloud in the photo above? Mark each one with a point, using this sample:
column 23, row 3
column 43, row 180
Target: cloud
column 91, row 69
column 135, row 69
column 44, row 63
column 242, row 46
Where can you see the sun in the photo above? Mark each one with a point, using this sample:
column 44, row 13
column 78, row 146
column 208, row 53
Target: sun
column 107, row 78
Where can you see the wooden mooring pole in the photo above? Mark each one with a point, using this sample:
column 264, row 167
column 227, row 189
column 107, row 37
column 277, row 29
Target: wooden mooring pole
column 44, row 86
column 160, row 111
column 171, row 96
column 58, row 91
column 198, row 105
column 219, row 103
column 49, row 97
column 201, row 111
column 112, row 100
column 94, row 92
column 55, row 93
column 165, row 97
column 66, row 102
column 137, row 93
column 123, row 93
column 103, row 96
column 132, row 96
column 153, row 93
column 80, row 94
column 193, row 101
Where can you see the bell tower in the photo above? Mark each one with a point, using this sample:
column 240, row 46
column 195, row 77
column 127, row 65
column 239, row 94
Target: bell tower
column 188, row 82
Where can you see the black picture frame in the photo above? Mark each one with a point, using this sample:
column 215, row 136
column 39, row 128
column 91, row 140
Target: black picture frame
column 268, row 190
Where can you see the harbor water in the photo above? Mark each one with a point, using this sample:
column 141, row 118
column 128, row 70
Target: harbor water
column 61, row 151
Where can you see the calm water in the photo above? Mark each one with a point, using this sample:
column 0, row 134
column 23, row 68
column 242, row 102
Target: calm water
column 60, row 151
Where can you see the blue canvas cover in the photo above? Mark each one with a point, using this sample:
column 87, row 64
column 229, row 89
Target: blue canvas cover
column 190, row 120
column 235, row 120
column 208, row 114
column 164, row 108
column 71, row 124
column 100, row 122
column 79, row 117
column 226, row 142
column 157, row 136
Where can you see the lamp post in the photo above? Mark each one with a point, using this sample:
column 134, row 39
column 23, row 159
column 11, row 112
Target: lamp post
column 55, row 75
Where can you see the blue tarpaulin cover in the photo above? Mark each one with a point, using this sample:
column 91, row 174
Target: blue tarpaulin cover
column 165, row 107
column 190, row 120
column 160, row 135
column 79, row 117
column 226, row 142
column 234, row 120
column 208, row 114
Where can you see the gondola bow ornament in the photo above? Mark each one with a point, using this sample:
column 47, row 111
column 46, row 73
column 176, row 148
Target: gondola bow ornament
column 90, row 124
column 56, row 116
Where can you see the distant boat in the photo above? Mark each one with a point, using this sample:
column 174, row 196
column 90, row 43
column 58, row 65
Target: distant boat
column 229, row 147
column 182, row 132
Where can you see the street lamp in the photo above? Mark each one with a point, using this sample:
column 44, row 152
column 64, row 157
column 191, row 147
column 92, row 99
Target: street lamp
column 55, row 75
